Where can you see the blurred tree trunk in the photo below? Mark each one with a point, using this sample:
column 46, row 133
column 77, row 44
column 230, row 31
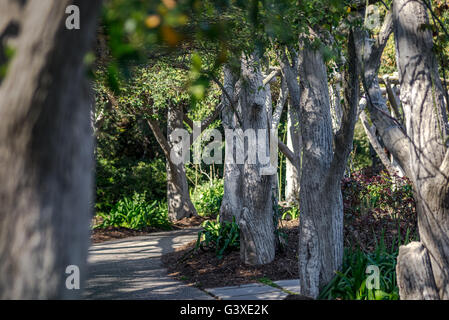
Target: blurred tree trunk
column 324, row 161
column 46, row 150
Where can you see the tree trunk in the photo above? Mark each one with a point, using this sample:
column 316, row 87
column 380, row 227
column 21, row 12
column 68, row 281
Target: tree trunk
column 294, row 141
column 46, row 152
column 415, row 276
column 231, row 205
column 369, row 53
column 257, row 245
column 321, row 228
column 426, row 121
column 178, row 197
column 324, row 162
column 292, row 174
column 336, row 110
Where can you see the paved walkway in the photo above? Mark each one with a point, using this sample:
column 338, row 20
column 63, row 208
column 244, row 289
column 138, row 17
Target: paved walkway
column 257, row 291
column 132, row 269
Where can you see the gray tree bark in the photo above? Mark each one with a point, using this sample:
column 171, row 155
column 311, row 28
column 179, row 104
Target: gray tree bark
column 294, row 141
column 369, row 53
column 324, row 162
column 46, row 151
column 415, row 276
column 257, row 245
column 335, row 96
column 374, row 141
column 422, row 98
column 178, row 197
column 420, row 149
column 232, row 186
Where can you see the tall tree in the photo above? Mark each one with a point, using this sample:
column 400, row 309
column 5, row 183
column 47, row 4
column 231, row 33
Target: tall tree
column 257, row 244
column 231, row 203
column 289, row 69
column 178, row 197
column 419, row 144
column 423, row 268
column 46, row 149
column 324, row 161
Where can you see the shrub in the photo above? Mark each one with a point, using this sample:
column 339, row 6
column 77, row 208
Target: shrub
column 207, row 198
column 136, row 213
column 116, row 179
column 221, row 237
column 376, row 203
column 350, row 283
column 380, row 191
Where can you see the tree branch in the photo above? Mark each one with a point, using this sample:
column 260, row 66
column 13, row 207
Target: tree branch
column 188, row 120
column 271, row 76
column 283, row 94
column 392, row 97
column 112, row 103
column 208, row 121
column 377, row 49
column 231, row 102
column 287, row 152
column 160, row 138
column 344, row 137
column 391, row 131
column 371, row 134
column 211, row 118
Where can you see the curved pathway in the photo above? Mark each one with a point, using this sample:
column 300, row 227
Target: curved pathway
column 131, row 268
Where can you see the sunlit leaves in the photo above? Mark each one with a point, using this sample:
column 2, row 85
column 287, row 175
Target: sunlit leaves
column 153, row 21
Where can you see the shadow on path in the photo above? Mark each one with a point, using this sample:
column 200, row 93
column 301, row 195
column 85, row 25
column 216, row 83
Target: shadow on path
column 132, row 269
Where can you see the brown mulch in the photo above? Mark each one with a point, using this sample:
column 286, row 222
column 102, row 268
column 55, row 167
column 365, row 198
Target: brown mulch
column 113, row 233
column 205, row 270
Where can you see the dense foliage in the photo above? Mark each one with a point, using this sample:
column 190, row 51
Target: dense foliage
column 221, row 237
column 207, row 198
column 136, row 213
column 351, row 282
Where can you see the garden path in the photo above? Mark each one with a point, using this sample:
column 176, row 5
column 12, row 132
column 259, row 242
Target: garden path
column 131, row 268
